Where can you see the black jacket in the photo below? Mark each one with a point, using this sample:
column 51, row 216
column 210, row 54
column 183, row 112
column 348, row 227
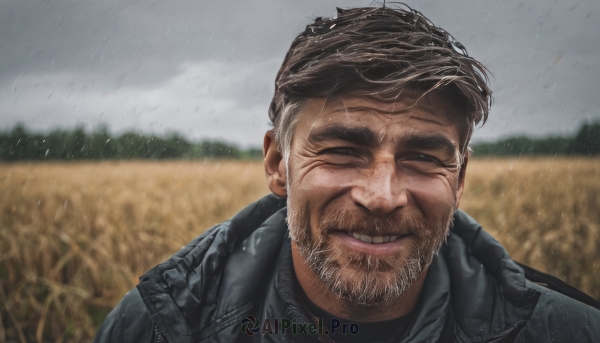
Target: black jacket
column 473, row 291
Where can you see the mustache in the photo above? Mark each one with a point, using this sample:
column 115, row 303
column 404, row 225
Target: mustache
column 366, row 223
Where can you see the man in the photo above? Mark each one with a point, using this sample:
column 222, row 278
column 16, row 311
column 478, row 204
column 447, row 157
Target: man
column 362, row 240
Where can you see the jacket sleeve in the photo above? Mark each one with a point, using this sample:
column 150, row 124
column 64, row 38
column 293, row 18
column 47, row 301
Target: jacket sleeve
column 128, row 322
column 558, row 318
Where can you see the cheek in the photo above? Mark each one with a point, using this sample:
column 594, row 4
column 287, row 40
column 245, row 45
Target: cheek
column 318, row 188
column 325, row 183
column 433, row 195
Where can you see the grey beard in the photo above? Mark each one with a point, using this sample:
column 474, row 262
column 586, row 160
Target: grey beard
column 368, row 290
column 375, row 281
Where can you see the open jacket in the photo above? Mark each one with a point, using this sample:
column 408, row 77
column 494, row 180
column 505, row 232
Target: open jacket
column 473, row 291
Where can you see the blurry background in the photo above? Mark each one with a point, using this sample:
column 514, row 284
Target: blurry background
column 206, row 68
column 182, row 85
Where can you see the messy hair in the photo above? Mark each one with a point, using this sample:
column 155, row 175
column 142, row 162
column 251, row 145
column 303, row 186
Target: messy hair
column 376, row 52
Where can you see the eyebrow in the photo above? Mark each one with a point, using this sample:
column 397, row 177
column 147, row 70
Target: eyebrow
column 366, row 137
column 356, row 135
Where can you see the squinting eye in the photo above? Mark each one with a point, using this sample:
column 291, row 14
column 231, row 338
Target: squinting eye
column 421, row 162
column 341, row 151
column 341, row 156
column 424, row 158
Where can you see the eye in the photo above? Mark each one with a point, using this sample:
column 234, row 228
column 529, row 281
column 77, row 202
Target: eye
column 341, row 151
column 424, row 158
column 342, row 156
column 420, row 162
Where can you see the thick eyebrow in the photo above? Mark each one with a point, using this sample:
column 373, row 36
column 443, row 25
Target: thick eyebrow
column 364, row 136
column 429, row 142
column 356, row 135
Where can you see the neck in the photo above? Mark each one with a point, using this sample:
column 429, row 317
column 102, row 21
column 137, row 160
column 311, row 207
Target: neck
column 319, row 294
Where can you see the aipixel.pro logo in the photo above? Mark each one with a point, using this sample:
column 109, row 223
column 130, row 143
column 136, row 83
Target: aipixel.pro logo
column 250, row 325
column 280, row 326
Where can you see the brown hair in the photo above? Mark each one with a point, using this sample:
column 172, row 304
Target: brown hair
column 376, row 52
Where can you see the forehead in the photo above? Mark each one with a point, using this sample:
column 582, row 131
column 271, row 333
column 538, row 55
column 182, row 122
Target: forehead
column 433, row 112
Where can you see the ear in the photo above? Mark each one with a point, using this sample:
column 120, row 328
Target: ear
column 274, row 165
column 461, row 178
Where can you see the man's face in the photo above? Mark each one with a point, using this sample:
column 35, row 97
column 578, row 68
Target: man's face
column 371, row 190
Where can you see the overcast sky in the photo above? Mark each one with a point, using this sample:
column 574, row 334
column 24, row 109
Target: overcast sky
column 206, row 68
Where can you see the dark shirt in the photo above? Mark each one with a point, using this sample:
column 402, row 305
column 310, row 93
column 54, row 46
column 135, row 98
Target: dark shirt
column 348, row 331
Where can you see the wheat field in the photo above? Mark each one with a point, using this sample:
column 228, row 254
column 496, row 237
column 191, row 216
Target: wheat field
column 75, row 237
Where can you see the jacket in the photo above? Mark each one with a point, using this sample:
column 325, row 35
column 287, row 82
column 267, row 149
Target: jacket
column 473, row 291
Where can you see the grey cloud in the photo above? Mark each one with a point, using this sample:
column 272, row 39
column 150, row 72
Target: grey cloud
column 126, row 62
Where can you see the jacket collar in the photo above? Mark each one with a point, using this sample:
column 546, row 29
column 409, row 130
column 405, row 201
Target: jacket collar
column 490, row 299
column 208, row 285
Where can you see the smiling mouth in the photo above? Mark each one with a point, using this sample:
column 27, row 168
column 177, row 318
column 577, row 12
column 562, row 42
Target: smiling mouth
column 372, row 239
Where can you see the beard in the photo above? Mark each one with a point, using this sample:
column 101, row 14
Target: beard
column 363, row 279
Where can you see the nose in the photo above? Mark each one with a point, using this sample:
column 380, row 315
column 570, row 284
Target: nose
column 380, row 190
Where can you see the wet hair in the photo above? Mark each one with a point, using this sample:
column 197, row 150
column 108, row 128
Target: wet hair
column 377, row 52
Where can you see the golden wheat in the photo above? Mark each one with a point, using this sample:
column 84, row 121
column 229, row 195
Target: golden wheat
column 545, row 211
column 75, row 237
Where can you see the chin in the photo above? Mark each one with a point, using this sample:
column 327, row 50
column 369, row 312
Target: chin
column 365, row 280
column 360, row 273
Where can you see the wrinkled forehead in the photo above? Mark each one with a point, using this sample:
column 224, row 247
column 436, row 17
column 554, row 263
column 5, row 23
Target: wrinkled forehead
column 437, row 107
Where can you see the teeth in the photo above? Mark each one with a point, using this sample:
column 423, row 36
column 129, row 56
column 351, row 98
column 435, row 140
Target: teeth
column 366, row 239
column 373, row 239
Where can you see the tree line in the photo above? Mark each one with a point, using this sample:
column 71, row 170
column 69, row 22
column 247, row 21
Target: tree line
column 586, row 142
column 77, row 144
